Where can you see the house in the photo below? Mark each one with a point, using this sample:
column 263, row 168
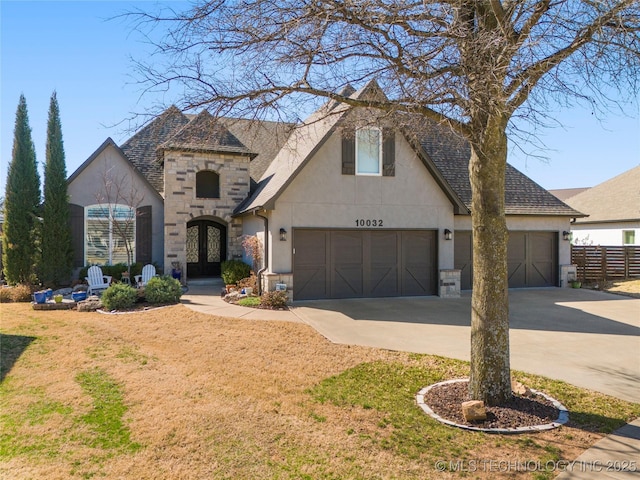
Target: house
column 613, row 209
column 346, row 204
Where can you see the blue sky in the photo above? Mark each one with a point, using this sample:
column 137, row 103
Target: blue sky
column 73, row 48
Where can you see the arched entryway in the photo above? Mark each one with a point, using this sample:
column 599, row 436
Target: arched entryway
column 206, row 248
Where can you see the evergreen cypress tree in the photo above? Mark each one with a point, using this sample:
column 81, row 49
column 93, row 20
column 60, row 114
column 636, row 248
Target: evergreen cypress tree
column 22, row 204
column 57, row 252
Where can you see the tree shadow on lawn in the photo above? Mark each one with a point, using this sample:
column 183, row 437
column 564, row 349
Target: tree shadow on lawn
column 11, row 347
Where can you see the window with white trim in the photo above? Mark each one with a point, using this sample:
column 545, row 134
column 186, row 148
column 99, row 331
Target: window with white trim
column 108, row 228
column 368, row 151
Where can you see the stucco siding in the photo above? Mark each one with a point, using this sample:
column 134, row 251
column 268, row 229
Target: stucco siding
column 88, row 188
column 321, row 197
column 604, row 234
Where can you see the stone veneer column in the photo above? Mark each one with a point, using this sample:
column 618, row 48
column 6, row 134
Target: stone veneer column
column 449, row 285
column 182, row 206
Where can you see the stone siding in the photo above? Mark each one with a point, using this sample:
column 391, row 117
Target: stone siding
column 449, row 285
column 182, row 206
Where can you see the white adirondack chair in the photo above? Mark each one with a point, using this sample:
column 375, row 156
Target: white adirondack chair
column 148, row 272
column 96, row 280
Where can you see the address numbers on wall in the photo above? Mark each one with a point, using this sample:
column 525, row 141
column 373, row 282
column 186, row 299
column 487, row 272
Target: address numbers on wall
column 369, row 222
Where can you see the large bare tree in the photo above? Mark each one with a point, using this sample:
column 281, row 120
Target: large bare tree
column 472, row 65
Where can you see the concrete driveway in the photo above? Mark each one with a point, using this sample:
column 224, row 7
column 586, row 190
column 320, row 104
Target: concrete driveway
column 587, row 338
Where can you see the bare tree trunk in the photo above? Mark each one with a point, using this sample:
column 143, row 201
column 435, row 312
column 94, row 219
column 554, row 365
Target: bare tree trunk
column 490, row 371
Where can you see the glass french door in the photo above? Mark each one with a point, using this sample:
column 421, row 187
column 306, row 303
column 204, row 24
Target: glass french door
column 206, row 248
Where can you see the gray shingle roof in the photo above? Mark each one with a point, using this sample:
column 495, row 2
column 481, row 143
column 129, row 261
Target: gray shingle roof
column 141, row 149
column 281, row 151
column 565, row 194
column 260, row 136
column 446, row 150
column 204, row 133
column 616, row 199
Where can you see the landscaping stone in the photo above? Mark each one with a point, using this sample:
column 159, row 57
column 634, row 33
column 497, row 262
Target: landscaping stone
column 91, row 304
column 474, row 410
column 520, row 389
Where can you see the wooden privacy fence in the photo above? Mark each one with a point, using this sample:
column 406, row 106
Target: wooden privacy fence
column 602, row 263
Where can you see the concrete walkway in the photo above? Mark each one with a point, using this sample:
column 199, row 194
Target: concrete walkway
column 587, row 338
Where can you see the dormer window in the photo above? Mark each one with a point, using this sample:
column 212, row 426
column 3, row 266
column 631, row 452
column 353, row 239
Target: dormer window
column 207, row 184
column 368, row 151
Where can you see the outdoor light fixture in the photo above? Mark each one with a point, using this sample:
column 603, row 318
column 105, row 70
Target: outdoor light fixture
column 566, row 235
column 447, row 234
column 283, row 235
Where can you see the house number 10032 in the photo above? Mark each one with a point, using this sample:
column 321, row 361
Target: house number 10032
column 367, row 222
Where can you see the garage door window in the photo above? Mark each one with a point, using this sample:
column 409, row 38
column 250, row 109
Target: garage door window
column 368, row 151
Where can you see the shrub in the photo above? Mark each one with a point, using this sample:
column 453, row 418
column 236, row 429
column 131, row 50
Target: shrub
column 119, row 296
column 232, row 271
column 5, row 295
column 16, row 293
column 249, row 302
column 163, row 290
column 253, row 248
column 251, row 281
column 274, row 299
column 21, row 293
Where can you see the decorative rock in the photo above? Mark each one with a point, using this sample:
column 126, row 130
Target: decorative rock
column 233, row 296
column 520, row 389
column 474, row 410
column 91, row 304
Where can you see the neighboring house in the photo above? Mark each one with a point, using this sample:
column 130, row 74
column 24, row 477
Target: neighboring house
column 565, row 193
column 346, row 205
column 613, row 209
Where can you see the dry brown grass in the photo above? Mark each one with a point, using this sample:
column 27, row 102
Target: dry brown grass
column 213, row 397
column 625, row 287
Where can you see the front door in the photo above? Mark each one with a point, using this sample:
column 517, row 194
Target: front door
column 206, row 248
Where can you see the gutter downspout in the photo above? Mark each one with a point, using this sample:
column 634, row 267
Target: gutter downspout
column 266, row 250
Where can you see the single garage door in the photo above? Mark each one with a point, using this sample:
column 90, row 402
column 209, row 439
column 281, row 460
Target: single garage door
column 532, row 259
column 363, row 263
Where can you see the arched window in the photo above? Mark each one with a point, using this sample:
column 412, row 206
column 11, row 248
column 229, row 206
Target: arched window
column 110, row 232
column 207, row 184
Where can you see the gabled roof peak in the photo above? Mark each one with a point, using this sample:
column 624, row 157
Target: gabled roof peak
column 205, row 133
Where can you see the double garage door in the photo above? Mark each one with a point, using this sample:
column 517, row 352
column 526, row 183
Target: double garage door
column 364, row 263
column 532, row 259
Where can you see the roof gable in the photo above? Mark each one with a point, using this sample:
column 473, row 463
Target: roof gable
column 444, row 153
column 303, row 142
column 205, row 134
column 105, row 145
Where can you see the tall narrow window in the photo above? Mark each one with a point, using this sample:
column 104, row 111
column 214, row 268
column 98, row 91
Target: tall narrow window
column 110, row 232
column 368, row 151
column 207, row 184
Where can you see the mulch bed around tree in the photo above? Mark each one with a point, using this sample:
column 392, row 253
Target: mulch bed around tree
column 446, row 401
